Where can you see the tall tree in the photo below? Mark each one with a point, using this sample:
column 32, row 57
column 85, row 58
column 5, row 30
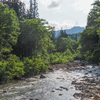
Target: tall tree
column 90, row 36
column 9, row 29
column 34, row 9
column 34, row 38
column 18, row 6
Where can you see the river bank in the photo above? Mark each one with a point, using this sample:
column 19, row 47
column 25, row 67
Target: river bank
column 63, row 83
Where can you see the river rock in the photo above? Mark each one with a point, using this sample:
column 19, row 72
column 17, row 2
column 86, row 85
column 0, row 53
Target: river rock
column 93, row 84
column 30, row 99
column 60, row 94
column 53, row 90
column 86, row 91
column 87, row 79
column 86, row 73
column 64, row 88
column 90, row 71
column 98, row 75
column 57, row 89
column 96, row 97
column 4, row 91
column 76, row 95
column 73, row 82
column 50, row 69
column 42, row 76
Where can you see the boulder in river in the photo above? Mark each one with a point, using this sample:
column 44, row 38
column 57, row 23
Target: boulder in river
column 50, row 69
column 60, row 94
column 4, row 91
column 64, row 88
column 53, row 90
column 42, row 76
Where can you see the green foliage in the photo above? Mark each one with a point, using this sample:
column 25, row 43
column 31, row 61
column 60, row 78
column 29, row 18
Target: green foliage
column 11, row 69
column 39, row 66
column 30, row 52
column 34, row 38
column 90, row 36
column 14, row 69
column 63, row 44
column 28, row 66
column 75, row 36
column 58, row 57
column 34, row 66
column 9, row 30
column 2, row 70
column 9, row 26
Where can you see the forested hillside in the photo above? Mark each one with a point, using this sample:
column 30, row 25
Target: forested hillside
column 70, row 32
column 28, row 44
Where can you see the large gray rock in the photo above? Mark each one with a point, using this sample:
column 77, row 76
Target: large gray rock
column 42, row 76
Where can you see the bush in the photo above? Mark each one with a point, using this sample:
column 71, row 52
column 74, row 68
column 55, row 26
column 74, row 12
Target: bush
column 28, row 66
column 14, row 69
column 2, row 70
column 39, row 66
column 11, row 69
column 34, row 66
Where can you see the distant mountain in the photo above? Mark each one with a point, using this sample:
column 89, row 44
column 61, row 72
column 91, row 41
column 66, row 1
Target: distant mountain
column 76, row 29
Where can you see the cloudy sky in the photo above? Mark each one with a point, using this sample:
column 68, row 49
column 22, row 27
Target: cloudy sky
column 64, row 13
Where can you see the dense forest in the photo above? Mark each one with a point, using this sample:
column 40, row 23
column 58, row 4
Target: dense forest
column 28, row 45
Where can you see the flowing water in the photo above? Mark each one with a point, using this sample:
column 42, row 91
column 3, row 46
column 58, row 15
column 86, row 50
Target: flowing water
column 42, row 89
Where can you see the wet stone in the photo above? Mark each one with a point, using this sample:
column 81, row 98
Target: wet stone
column 53, row 91
column 86, row 91
column 90, row 71
column 30, row 99
column 57, row 89
column 87, row 79
column 73, row 82
column 4, row 91
column 93, row 84
column 64, row 88
column 60, row 94
column 42, row 76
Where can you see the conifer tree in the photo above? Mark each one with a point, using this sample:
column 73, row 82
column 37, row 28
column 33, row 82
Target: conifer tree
column 34, row 9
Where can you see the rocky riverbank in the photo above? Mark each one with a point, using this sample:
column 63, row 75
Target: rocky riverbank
column 68, row 81
column 89, row 85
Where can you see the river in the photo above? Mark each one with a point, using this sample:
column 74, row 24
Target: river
column 56, row 86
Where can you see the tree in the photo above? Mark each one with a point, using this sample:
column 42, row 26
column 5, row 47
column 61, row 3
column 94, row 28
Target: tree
column 34, row 38
column 33, row 9
column 90, row 36
column 64, row 43
column 18, row 6
column 9, row 29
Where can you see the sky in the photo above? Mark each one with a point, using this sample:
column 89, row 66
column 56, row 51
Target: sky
column 63, row 13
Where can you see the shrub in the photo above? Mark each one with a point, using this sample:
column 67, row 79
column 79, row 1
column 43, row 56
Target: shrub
column 39, row 66
column 34, row 66
column 28, row 66
column 14, row 69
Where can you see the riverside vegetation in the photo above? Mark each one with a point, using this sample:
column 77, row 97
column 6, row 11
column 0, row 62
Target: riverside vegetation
column 28, row 45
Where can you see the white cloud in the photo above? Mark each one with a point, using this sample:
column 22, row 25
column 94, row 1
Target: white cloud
column 67, row 24
column 49, row 4
column 53, row 4
column 83, row 5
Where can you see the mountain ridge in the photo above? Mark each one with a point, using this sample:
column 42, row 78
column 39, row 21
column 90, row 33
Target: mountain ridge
column 73, row 30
